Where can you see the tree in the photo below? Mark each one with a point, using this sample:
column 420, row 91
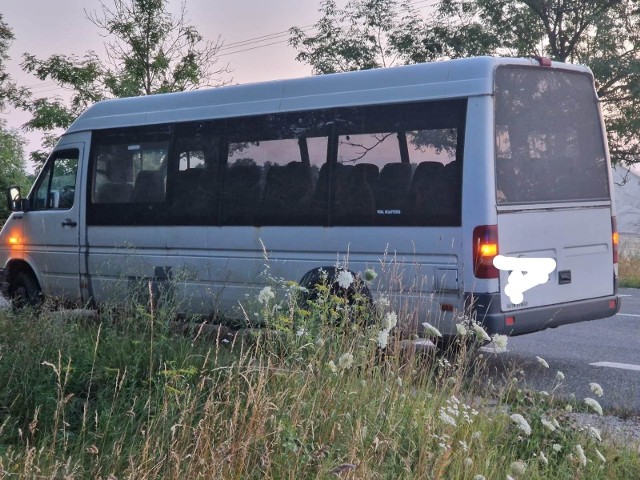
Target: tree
column 365, row 34
column 604, row 35
column 9, row 91
column 148, row 51
column 12, row 165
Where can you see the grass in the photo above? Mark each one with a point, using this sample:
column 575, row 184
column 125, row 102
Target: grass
column 629, row 270
column 312, row 396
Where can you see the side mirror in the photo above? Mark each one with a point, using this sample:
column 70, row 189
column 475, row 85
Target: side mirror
column 14, row 199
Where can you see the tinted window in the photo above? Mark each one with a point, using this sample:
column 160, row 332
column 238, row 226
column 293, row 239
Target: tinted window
column 377, row 166
column 399, row 165
column 129, row 166
column 195, row 174
column 549, row 140
column 272, row 169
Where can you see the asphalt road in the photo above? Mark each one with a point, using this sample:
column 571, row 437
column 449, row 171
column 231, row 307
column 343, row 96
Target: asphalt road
column 605, row 351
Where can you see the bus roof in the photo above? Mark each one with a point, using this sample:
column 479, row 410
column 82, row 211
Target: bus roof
column 427, row 81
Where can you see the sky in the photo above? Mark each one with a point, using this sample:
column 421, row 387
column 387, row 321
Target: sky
column 47, row 27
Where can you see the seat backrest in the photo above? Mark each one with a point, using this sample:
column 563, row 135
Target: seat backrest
column 241, row 199
column 149, row 187
column 285, row 187
column 114, row 193
column 393, row 186
column 358, row 206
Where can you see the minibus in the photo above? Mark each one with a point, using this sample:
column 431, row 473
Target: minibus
column 424, row 174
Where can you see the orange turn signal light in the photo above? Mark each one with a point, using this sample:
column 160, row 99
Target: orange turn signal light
column 489, row 249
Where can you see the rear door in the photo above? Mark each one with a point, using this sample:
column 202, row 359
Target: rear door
column 552, row 176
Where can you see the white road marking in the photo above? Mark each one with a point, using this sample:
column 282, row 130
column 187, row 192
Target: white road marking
column 621, row 295
column 628, row 314
column 624, row 366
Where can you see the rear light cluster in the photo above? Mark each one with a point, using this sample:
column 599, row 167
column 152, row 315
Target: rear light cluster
column 485, row 249
column 614, row 238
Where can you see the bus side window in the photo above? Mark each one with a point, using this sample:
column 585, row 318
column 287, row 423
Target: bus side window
column 272, row 164
column 193, row 180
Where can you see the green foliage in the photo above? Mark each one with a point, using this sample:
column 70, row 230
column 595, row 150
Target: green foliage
column 148, row 51
column 365, row 34
column 603, row 35
column 12, row 166
column 118, row 394
column 9, row 91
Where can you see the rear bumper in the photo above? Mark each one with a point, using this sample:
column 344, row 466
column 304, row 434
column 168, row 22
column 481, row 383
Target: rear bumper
column 489, row 314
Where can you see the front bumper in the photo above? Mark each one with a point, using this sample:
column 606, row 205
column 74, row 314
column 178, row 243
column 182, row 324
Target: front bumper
column 489, row 314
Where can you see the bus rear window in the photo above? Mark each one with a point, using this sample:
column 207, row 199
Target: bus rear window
column 549, row 139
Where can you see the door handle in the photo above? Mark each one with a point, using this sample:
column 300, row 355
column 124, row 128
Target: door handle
column 69, row 223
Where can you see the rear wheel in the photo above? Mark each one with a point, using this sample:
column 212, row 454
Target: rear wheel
column 25, row 290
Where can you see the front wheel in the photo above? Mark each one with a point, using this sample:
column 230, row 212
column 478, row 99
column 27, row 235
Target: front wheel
column 25, row 290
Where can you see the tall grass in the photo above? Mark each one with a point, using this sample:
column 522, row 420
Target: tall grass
column 313, row 395
column 629, row 268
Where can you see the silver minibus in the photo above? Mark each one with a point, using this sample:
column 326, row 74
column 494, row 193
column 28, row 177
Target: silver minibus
column 424, row 173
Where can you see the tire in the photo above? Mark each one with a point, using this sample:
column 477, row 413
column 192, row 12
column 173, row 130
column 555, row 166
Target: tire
column 357, row 294
column 25, row 290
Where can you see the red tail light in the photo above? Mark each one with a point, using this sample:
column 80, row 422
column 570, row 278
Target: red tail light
column 614, row 238
column 485, row 248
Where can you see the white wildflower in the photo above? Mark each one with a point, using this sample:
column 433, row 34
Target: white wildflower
column 600, row 456
column 542, row 362
column 547, row 424
column 594, row 405
column 522, row 424
column 559, row 376
column 468, row 462
column 499, row 343
column 463, row 445
column 369, row 275
column 477, row 435
column 581, row 456
column 543, row 458
column 344, row 279
column 556, row 447
column 430, row 330
column 461, row 329
column 266, row 295
column 446, row 418
column 345, row 361
column 568, row 408
column 479, row 477
column 390, row 320
column 509, row 477
column 595, row 433
column 383, row 302
column 383, row 338
column 332, row 366
column 300, row 332
column 596, row 389
column 480, row 333
column 518, row 468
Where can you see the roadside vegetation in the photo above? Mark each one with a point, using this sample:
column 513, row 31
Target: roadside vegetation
column 324, row 391
column 629, row 268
